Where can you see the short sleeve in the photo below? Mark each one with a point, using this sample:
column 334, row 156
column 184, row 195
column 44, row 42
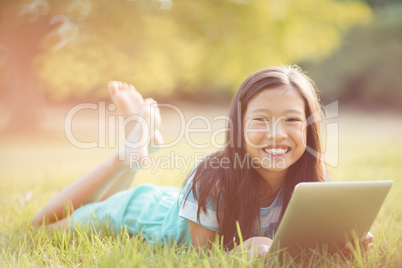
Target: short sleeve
column 189, row 207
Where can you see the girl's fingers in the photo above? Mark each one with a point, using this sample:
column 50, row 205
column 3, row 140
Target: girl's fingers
column 368, row 238
column 346, row 249
column 365, row 244
column 366, row 241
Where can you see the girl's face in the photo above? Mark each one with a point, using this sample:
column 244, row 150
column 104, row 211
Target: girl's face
column 273, row 129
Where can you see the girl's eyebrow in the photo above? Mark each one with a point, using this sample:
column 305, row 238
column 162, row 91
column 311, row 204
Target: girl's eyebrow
column 297, row 111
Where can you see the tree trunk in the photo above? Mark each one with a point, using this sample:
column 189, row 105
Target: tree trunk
column 22, row 36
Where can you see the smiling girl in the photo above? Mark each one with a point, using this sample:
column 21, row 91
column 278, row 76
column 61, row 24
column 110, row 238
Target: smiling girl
column 273, row 143
column 272, row 106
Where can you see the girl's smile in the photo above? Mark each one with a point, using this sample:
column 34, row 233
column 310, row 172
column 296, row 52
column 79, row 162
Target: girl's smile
column 273, row 129
column 277, row 151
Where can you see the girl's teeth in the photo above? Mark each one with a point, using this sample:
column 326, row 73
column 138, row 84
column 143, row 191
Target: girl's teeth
column 276, row 151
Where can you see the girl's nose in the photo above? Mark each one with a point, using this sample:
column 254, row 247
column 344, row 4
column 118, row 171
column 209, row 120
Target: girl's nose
column 276, row 130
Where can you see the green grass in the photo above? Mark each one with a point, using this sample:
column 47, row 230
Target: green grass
column 35, row 168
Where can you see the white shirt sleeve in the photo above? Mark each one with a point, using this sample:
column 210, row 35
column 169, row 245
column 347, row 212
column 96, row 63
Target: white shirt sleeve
column 189, row 207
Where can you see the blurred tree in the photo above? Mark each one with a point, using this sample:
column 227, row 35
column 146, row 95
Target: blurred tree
column 201, row 46
column 24, row 25
column 382, row 3
column 163, row 46
column 19, row 44
column 365, row 70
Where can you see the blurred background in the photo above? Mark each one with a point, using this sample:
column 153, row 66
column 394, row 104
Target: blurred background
column 63, row 52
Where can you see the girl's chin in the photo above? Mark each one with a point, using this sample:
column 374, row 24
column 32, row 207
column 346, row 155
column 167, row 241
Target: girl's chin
column 274, row 165
column 274, row 169
column 271, row 163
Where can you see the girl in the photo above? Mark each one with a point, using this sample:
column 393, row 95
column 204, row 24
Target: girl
column 273, row 143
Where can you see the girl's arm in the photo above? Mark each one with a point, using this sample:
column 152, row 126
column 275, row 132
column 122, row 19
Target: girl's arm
column 101, row 182
column 200, row 236
column 256, row 246
column 203, row 237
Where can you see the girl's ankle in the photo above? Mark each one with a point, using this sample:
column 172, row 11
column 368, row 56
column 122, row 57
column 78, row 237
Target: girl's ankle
column 119, row 161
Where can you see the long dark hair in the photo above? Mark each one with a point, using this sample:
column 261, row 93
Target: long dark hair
column 235, row 188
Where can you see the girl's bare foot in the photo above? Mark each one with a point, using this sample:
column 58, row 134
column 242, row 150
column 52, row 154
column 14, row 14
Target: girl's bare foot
column 129, row 102
column 134, row 152
column 156, row 120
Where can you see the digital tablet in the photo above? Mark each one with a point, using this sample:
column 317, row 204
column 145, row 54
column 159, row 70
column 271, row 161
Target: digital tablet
column 329, row 214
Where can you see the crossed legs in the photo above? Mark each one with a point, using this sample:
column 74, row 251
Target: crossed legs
column 115, row 173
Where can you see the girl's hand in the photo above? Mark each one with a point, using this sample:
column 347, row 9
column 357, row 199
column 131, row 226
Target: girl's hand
column 365, row 245
column 256, row 246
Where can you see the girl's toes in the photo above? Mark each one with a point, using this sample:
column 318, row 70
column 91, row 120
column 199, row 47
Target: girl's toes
column 119, row 86
column 153, row 104
column 112, row 83
column 150, row 101
column 113, row 87
column 137, row 97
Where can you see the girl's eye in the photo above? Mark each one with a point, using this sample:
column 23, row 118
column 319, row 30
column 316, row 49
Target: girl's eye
column 261, row 119
column 292, row 119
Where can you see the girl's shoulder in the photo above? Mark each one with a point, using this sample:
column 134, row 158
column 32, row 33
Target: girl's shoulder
column 203, row 180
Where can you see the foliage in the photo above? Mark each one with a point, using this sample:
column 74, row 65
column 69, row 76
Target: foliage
column 381, row 3
column 365, row 70
column 194, row 46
